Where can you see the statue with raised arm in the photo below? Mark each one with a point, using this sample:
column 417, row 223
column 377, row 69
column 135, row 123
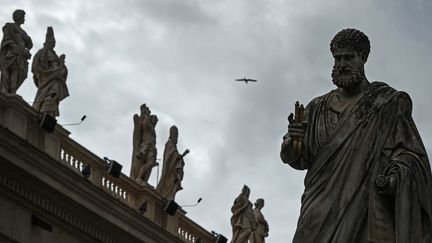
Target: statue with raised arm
column 368, row 175
column 14, row 54
column 262, row 229
column 172, row 171
column 144, row 146
column 49, row 74
column 243, row 221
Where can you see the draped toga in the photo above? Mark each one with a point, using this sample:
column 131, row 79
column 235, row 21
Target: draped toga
column 344, row 152
column 14, row 55
column 172, row 173
column 49, row 74
column 243, row 219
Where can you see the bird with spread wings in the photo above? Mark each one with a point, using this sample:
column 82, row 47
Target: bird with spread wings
column 246, row 80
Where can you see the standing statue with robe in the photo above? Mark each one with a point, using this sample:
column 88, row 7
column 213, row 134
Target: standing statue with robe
column 243, row 219
column 172, row 171
column 368, row 175
column 14, row 54
column 144, row 146
column 262, row 229
column 49, row 74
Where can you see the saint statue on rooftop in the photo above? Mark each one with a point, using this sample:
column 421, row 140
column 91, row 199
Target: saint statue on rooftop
column 172, row 171
column 262, row 229
column 14, row 54
column 243, row 221
column 49, row 74
column 144, row 145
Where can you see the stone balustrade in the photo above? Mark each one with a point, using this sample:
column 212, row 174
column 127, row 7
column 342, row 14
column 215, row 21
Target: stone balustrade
column 191, row 232
column 20, row 118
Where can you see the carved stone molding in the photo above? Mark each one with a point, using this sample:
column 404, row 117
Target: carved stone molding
column 48, row 206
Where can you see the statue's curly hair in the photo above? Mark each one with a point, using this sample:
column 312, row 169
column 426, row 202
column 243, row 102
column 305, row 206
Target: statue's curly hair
column 17, row 14
column 354, row 39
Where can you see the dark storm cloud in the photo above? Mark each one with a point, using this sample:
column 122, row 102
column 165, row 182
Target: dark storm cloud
column 181, row 58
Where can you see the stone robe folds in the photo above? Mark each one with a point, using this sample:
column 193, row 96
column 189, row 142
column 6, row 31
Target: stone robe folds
column 144, row 147
column 49, row 74
column 262, row 228
column 344, row 153
column 172, row 172
column 14, row 55
column 243, row 219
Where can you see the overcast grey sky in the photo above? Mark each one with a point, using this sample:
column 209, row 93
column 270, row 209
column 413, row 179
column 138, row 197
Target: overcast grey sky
column 181, row 57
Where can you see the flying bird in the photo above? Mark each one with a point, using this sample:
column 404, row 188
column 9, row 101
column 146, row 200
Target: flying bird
column 246, row 80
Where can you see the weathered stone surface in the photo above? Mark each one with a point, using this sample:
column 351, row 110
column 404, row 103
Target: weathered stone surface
column 41, row 175
column 144, row 145
column 262, row 229
column 172, row 171
column 243, row 221
column 351, row 138
column 14, row 54
column 49, row 74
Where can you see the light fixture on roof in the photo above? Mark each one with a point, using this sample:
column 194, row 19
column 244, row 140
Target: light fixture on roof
column 113, row 167
column 219, row 238
column 47, row 122
column 170, row 206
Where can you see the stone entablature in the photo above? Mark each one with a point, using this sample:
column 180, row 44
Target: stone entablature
column 56, row 161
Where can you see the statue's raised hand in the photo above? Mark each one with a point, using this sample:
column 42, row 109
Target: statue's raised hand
column 291, row 149
column 296, row 128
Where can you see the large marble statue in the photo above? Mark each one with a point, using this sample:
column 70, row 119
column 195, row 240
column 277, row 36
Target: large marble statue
column 144, row 145
column 243, row 219
column 368, row 176
column 262, row 229
column 49, row 74
column 14, row 54
column 172, row 171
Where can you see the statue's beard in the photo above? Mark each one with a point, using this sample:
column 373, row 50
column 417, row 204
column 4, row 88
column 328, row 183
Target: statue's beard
column 347, row 77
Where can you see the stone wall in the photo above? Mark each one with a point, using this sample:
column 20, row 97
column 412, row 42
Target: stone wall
column 41, row 177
